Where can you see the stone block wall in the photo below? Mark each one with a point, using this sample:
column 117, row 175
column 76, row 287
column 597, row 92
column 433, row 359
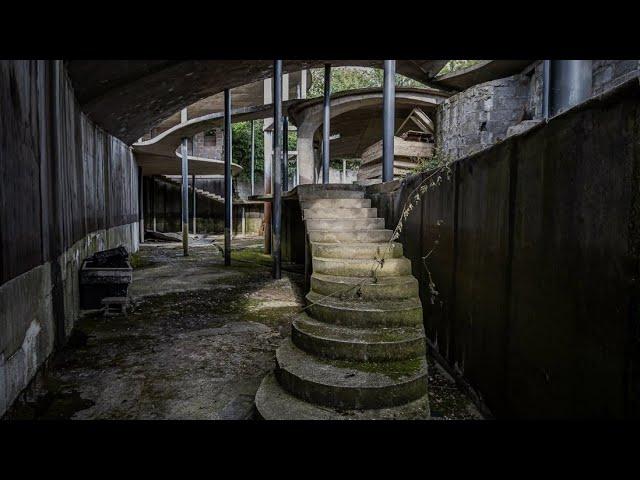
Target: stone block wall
column 480, row 116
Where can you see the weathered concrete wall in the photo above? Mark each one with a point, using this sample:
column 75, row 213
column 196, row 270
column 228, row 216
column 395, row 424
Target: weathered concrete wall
column 209, row 213
column 67, row 189
column 610, row 73
column 536, row 255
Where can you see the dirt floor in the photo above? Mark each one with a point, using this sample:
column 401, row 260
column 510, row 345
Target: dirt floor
column 196, row 343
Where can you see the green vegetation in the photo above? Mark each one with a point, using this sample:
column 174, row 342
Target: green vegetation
column 242, row 147
column 455, row 65
column 351, row 78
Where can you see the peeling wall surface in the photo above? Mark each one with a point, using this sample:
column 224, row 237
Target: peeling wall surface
column 67, row 189
column 536, row 249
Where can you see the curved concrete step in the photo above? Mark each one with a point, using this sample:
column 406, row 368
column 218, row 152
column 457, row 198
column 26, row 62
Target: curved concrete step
column 336, row 203
column 365, row 314
column 339, row 224
column 351, row 385
column 343, row 213
column 323, row 192
column 363, row 250
column 357, row 344
column 350, row 236
column 386, row 288
column 274, row 403
column 361, row 267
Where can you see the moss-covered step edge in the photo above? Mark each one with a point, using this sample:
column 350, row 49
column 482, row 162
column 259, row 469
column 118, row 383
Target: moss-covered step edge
column 363, row 314
column 338, row 212
column 357, row 344
column 336, row 203
column 339, row 224
column 362, row 250
column 275, row 403
column 381, row 235
column 359, row 267
column 347, row 384
column 385, row 288
column 330, row 194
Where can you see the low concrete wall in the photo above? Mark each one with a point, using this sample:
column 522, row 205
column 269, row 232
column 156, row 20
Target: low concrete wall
column 167, row 204
column 536, row 256
column 67, row 189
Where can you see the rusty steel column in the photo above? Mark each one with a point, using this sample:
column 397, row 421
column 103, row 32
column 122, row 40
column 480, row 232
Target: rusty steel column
column 388, row 119
column 326, row 123
column 285, row 154
column 227, row 177
column 277, row 168
column 185, row 198
column 253, row 158
column 193, row 184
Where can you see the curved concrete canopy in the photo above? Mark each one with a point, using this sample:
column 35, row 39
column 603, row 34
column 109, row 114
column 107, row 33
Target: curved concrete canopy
column 307, row 114
column 248, row 95
column 483, row 71
column 361, row 128
column 128, row 97
column 356, row 115
column 158, row 155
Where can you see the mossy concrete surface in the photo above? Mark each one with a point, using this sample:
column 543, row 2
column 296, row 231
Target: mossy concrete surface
column 198, row 340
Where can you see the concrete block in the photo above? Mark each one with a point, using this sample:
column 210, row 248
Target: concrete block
column 3, row 386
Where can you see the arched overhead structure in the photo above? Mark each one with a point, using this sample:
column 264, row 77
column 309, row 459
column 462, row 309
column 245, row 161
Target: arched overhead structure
column 161, row 152
column 249, row 95
column 128, row 97
column 356, row 115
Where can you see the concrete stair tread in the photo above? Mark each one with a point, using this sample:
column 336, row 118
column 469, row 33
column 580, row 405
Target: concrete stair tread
column 336, row 202
column 275, row 403
column 361, row 267
column 356, row 250
column 350, row 384
column 357, row 344
column 333, row 224
column 380, row 235
column 392, row 287
column 339, row 213
column 357, row 335
column 364, row 305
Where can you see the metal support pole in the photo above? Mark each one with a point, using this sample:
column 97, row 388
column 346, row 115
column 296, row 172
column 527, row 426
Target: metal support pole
column 326, row 119
column 141, row 204
column 277, row 166
column 243, row 220
column 153, row 202
column 227, row 177
column 388, row 119
column 193, row 183
column 344, row 171
column 285, row 154
column 546, row 79
column 253, row 159
column 185, row 198
column 297, row 171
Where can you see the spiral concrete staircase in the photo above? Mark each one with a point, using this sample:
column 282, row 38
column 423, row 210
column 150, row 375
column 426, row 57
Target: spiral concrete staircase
column 360, row 352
